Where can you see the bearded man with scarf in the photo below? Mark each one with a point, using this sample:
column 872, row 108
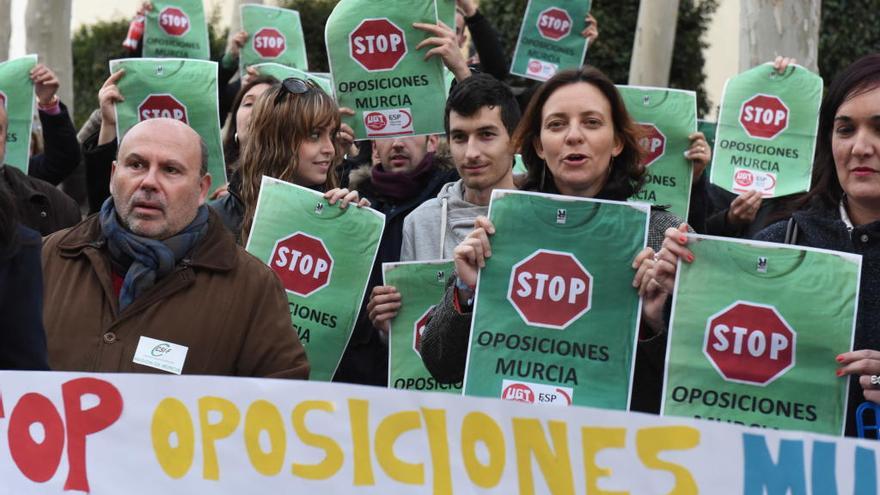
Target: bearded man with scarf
column 155, row 283
column 406, row 172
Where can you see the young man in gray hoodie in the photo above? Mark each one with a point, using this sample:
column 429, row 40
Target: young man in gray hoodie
column 481, row 114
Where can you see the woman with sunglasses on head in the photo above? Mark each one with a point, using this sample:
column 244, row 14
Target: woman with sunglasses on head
column 841, row 213
column 576, row 139
column 294, row 135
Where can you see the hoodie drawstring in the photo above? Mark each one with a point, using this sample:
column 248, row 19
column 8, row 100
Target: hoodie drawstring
column 443, row 212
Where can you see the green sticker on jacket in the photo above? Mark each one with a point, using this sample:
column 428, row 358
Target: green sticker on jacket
column 766, row 132
column 421, row 285
column 550, row 38
column 377, row 71
column 323, row 256
column 17, row 96
column 555, row 315
column 176, row 29
column 667, row 117
column 753, row 335
column 274, row 35
column 180, row 89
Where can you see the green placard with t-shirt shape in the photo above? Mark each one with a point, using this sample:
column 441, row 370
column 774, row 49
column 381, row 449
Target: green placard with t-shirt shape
column 378, row 72
column 282, row 72
column 555, row 314
column 274, row 35
column 550, row 38
column 446, row 12
column 754, row 333
column 176, row 88
column 421, row 285
column 666, row 118
column 176, row 29
column 17, row 97
column 323, row 255
column 766, row 134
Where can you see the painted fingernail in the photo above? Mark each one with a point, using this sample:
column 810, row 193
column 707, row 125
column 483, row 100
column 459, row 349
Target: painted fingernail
column 839, row 372
column 839, row 358
column 683, row 239
column 690, row 258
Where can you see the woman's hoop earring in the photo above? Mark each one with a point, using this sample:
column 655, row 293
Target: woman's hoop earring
column 235, row 138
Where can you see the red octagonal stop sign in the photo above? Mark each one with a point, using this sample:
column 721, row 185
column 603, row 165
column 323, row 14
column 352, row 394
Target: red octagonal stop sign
column 174, row 21
column 763, row 116
column 653, row 142
column 550, row 289
column 749, row 343
column 162, row 106
column 269, row 42
column 554, row 23
column 419, row 330
column 377, row 44
column 302, row 262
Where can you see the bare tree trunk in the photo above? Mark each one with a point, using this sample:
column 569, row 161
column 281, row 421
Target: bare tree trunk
column 654, row 42
column 235, row 20
column 5, row 28
column 48, row 35
column 779, row 27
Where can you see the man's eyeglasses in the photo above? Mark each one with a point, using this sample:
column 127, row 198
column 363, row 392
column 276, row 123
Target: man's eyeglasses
column 294, row 86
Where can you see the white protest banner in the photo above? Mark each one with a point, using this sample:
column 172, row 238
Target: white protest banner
column 157, row 434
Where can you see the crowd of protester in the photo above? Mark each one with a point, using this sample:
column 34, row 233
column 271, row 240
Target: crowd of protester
column 155, row 255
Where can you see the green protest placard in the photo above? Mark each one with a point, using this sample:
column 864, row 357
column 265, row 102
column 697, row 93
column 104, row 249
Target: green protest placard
column 421, row 285
column 766, row 132
column 446, row 12
column 550, row 38
column 377, row 71
column 754, row 334
column 555, row 316
column 667, row 117
column 181, row 89
column 274, row 35
column 176, row 29
column 708, row 128
column 282, row 72
column 17, row 96
column 323, row 255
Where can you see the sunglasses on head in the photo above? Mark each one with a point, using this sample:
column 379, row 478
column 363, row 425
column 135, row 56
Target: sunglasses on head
column 294, row 86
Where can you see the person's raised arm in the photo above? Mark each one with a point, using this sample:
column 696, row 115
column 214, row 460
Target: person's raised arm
column 486, row 40
column 442, row 43
column 61, row 153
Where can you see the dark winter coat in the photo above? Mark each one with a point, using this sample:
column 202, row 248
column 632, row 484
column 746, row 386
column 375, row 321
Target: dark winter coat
column 21, row 305
column 225, row 305
column 40, row 205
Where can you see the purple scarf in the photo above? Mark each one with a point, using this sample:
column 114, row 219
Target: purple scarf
column 400, row 186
